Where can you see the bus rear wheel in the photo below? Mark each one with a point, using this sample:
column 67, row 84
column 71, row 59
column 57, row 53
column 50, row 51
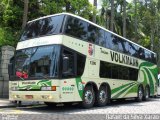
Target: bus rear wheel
column 102, row 97
column 140, row 94
column 88, row 97
column 146, row 94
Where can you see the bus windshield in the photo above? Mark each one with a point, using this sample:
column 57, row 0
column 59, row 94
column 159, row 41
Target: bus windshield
column 42, row 27
column 37, row 62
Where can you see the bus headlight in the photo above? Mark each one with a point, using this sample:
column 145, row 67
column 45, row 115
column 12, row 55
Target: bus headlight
column 44, row 88
column 48, row 88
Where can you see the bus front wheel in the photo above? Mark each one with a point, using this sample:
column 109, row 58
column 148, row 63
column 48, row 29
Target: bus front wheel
column 88, row 97
column 102, row 97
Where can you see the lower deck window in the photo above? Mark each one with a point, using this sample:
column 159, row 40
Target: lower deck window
column 114, row 71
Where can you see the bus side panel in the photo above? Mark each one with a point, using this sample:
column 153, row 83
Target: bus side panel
column 148, row 76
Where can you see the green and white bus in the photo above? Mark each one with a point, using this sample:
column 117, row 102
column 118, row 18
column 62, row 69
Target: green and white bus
column 64, row 58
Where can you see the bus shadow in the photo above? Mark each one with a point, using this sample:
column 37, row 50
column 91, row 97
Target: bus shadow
column 73, row 109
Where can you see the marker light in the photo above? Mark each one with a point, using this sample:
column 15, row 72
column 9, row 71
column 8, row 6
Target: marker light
column 53, row 88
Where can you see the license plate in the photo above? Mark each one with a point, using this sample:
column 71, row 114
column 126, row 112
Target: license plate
column 29, row 96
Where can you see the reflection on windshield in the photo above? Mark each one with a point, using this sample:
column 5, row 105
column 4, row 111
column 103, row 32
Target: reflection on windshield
column 37, row 62
column 42, row 27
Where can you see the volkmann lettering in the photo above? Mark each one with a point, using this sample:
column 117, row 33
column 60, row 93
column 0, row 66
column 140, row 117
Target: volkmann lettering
column 123, row 59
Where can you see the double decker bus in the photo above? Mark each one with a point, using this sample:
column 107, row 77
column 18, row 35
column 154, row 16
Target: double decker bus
column 65, row 58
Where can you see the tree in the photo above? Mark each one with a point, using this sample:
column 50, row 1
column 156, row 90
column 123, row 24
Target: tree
column 136, row 23
column 25, row 13
column 112, row 15
column 15, row 13
column 124, row 18
column 95, row 5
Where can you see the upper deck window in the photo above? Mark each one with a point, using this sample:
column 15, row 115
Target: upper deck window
column 76, row 27
column 42, row 27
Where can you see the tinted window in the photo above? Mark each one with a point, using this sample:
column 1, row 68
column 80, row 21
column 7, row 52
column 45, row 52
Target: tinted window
column 93, row 32
column 109, row 40
column 154, row 58
column 148, row 56
column 123, row 73
column 133, row 74
column 43, row 62
column 141, row 53
column 37, row 62
column 81, row 59
column 68, row 64
column 76, row 27
column 101, row 38
column 120, row 45
column 133, row 50
column 42, row 27
column 105, row 70
column 113, row 71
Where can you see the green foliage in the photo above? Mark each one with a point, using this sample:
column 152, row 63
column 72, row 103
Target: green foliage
column 11, row 14
column 6, row 37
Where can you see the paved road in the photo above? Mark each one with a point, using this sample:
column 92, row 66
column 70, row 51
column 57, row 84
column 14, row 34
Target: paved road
column 116, row 107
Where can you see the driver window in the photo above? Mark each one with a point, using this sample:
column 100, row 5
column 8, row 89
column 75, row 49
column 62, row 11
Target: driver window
column 68, row 64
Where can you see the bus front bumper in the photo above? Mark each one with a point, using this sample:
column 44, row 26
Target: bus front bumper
column 44, row 96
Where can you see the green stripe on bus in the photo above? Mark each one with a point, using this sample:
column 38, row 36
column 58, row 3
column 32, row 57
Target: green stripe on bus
column 79, row 81
column 145, row 77
column 119, row 88
column 150, row 81
column 117, row 95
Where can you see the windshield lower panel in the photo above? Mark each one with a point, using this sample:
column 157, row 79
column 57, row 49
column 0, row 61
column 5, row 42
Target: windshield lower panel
column 37, row 62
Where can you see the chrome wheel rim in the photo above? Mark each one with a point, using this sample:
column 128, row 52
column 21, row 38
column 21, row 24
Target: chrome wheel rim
column 140, row 93
column 88, row 97
column 147, row 93
column 102, row 96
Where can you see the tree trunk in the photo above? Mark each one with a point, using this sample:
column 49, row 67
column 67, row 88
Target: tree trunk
column 146, row 3
column 124, row 18
column 68, row 4
column 135, row 1
column 94, row 16
column 152, row 38
column 112, row 14
column 25, row 13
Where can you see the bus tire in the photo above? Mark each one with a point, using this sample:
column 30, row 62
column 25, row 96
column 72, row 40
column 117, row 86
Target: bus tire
column 140, row 94
column 88, row 97
column 146, row 94
column 102, row 96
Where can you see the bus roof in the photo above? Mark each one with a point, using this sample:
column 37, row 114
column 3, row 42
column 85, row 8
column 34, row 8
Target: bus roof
column 92, row 24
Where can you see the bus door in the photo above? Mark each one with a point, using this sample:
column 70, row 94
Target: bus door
column 68, row 82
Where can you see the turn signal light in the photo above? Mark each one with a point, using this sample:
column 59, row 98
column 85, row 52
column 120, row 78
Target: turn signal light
column 53, row 88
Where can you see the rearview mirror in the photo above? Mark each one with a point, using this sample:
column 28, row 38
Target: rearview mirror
column 65, row 63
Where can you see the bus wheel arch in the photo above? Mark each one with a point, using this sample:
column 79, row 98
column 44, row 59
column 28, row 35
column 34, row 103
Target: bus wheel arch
column 103, row 95
column 89, row 94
